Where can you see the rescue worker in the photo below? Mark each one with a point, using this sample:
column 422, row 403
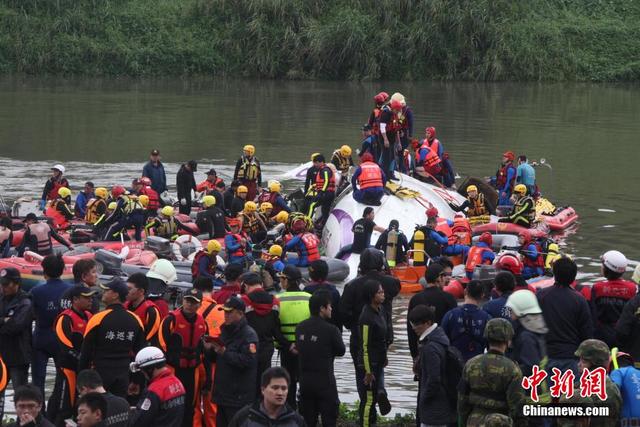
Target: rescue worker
column 608, row 297
column 205, row 264
column 310, row 177
column 429, row 156
column 69, row 328
column 265, row 212
column 432, row 239
column 185, row 182
column 37, row 237
column 161, row 274
column 319, row 342
column 306, row 245
column 491, row 383
column 294, row 308
column 80, row 207
column 53, row 184
column 240, row 198
column 127, row 213
column 532, row 259
column 47, row 304
column 626, row 376
column 526, row 174
column 228, row 196
column 166, row 224
column 342, row 160
column 143, row 188
column 248, row 171
column 251, row 222
column 232, row 285
column 59, row 211
column 209, row 184
column 480, row 254
column 272, row 264
column 146, row 310
column 406, row 122
column 324, row 190
column 236, row 362
column 523, row 212
column 6, row 236
column 111, row 337
column 154, row 170
column 368, row 182
column 211, row 219
column 181, row 338
column 475, row 204
column 394, row 244
column 362, row 230
column 505, row 179
column 369, row 142
column 511, row 263
column 163, row 403
column 96, row 206
column 390, row 127
column 274, row 197
column 379, row 102
column 236, row 244
column 318, row 273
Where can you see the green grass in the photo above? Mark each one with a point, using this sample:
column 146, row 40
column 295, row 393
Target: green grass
column 556, row 40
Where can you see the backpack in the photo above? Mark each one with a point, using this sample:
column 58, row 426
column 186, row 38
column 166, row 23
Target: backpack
column 452, row 373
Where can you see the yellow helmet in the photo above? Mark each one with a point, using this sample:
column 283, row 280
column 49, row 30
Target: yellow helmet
column 275, row 187
column 275, row 250
column 144, row 200
column 282, row 217
column 313, row 155
column 208, row 201
column 167, row 211
column 520, row 189
column 213, row 246
column 101, row 192
column 345, row 150
column 265, row 206
column 64, row 192
column 249, row 149
column 112, row 206
column 472, row 188
column 250, row 207
column 242, row 189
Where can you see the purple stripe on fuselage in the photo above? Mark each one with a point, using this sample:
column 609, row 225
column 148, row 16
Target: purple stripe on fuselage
column 346, row 224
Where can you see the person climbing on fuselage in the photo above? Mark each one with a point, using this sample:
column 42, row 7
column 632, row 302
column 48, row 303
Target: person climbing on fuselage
column 480, row 253
column 362, row 230
column 532, row 258
column 248, row 171
column 59, row 210
column 368, row 182
column 523, row 212
column 52, row 186
column 341, row 159
column 505, row 179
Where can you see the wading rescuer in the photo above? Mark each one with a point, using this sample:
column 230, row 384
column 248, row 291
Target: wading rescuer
column 37, row 237
column 274, row 197
column 505, row 179
column 248, row 171
column 324, row 190
column 97, row 206
column 475, row 204
column 52, row 185
column 523, row 212
column 390, row 126
column 69, row 328
column 368, row 182
column 211, row 220
column 205, row 264
column 59, row 210
column 146, row 310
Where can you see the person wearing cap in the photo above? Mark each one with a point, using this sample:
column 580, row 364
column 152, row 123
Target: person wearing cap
column 505, row 179
column 341, row 159
column 53, row 184
column 318, row 273
column 211, row 219
column 154, row 170
column 185, row 183
column 16, row 316
column 111, row 337
column 59, row 210
column 526, row 174
column 209, row 184
column 163, row 402
column 69, row 329
column 146, row 310
column 368, row 182
column 474, row 204
column 294, row 308
column 180, row 338
column 232, row 284
column 37, row 237
column 369, row 142
column 248, row 171
column 234, row 381
column 394, row 243
column 626, row 376
column 82, row 198
column 491, row 383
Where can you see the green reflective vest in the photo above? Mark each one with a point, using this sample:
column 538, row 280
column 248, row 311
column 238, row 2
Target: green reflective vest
column 294, row 308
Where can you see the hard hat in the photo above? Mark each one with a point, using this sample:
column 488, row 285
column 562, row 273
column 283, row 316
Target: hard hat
column 314, row 155
column 509, row 155
column 282, row 217
column 510, row 263
column 101, row 192
column 431, row 130
column 250, row 207
column 594, row 351
column 275, row 250
column 498, row 329
column 345, row 150
column 249, row 149
column 64, row 192
column 265, row 206
column 167, row 211
column 636, row 274
column 145, row 181
column 399, row 97
column 396, row 105
column 275, row 187
column 487, row 238
column 242, row 189
column 117, row 191
column 614, row 261
column 523, row 302
column 208, row 201
column 144, row 200
column 147, row 357
column 520, row 189
column 58, row 168
column 214, row 246
column 112, row 206
column 163, row 270
column 472, row 188
column 381, row 97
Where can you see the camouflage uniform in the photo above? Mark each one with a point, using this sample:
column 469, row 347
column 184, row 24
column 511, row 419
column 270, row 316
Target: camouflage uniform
column 596, row 352
column 497, row 420
column 491, row 383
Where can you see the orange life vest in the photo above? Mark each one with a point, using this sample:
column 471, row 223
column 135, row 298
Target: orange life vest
column 370, row 176
column 154, row 199
column 444, row 227
column 462, row 229
column 213, row 317
column 239, row 252
column 432, row 162
column 501, row 178
column 320, row 180
column 311, row 243
column 59, row 220
column 141, row 312
column 375, row 126
column 190, row 335
column 475, row 257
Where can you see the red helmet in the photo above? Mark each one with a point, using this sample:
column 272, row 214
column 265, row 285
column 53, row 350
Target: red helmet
column 487, row 238
column 299, row 225
column 396, row 105
column 145, row 181
column 510, row 262
column 233, row 222
column 381, row 97
column 509, row 155
column 117, row 191
column 431, row 131
column 366, row 157
column 432, row 212
column 525, row 236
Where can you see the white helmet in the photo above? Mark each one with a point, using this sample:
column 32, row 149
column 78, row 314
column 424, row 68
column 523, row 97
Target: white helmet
column 147, row 357
column 523, row 302
column 615, row 261
column 163, row 270
column 58, row 168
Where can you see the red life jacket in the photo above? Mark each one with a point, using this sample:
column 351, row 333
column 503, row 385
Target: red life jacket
column 41, row 232
column 432, row 162
column 475, row 257
column 239, row 252
column 375, row 126
column 195, row 272
column 53, row 193
column 59, row 220
column 538, row 262
column 395, row 124
column 141, row 312
column 462, row 229
column 370, row 176
column 78, row 324
column 154, row 199
column 168, row 388
column 618, row 288
column 268, row 196
column 501, row 178
column 444, row 227
column 190, row 334
column 311, row 243
column 320, row 179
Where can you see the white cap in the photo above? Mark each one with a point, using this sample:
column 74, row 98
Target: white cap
column 58, row 167
column 615, row 261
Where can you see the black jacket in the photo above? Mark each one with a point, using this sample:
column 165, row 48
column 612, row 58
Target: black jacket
column 15, row 333
column 372, row 345
column 568, row 317
column 253, row 416
column 236, row 369
column 236, row 206
column 401, row 247
column 212, row 222
column 435, row 297
column 40, row 421
column 318, row 342
column 185, row 182
column 264, row 317
column 433, row 403
column 628, row 328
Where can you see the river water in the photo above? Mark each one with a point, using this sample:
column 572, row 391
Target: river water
column 103, row 130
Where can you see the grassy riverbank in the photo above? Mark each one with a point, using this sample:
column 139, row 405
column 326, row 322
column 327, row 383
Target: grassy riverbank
column 583, row 40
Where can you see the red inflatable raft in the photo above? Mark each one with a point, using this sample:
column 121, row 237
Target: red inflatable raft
column 563, row 218
column 541, row 230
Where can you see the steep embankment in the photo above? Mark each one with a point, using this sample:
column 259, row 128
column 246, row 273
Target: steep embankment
column 592, row 40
